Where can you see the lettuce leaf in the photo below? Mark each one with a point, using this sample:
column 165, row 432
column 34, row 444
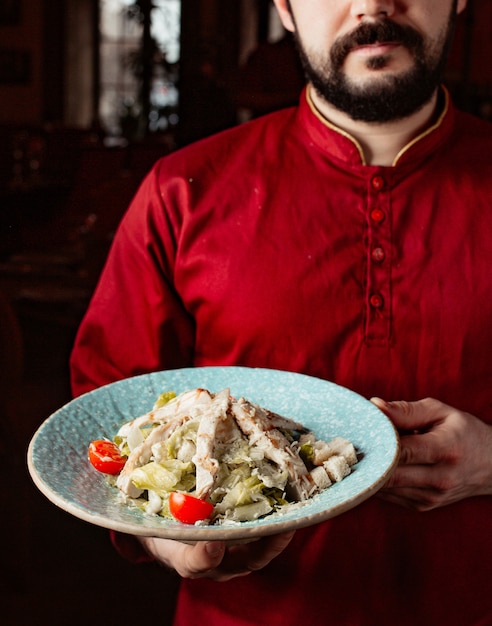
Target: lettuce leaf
column 164, row 477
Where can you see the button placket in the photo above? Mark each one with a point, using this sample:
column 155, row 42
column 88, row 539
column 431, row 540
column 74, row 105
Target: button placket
column 378, row 295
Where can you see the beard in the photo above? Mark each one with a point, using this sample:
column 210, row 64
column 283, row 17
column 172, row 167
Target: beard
column 386, row 98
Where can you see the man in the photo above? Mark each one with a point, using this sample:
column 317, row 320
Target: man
column 348, row 239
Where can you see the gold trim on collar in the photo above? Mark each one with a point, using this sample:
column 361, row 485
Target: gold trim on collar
column 357, row 144
column 333, row 127
column 429, row 130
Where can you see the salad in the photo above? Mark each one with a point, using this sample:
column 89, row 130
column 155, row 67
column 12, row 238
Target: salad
column 209, row 458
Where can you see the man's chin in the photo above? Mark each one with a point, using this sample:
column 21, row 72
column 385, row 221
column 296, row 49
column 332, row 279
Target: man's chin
column 378, row 73
column 379, row 86
column 377, row 101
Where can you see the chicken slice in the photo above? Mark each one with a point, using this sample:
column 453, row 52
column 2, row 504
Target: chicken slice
column 190, row 403
column 279, row 421
column 207, row 466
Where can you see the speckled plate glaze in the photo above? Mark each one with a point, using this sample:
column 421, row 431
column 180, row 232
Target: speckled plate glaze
column 57, row 456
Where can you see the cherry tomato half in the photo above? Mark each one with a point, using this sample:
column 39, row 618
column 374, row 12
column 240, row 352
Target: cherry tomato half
column 106, row 457
column 188, row 509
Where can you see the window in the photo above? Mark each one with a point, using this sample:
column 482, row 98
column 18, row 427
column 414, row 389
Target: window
column 139, row 55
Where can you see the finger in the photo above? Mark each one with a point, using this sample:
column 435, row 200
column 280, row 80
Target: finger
column 420, row 449
column 419, row 476
column 437, row 479
column 242, row 559
column 414, row 499
column 195, row 561
column 262, row 553
column 412, row 416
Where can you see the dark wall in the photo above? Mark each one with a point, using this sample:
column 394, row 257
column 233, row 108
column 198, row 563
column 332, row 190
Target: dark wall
column 209, row 53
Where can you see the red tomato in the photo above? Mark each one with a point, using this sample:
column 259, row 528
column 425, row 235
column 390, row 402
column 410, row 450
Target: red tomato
column 106, row 457
column 188, row 509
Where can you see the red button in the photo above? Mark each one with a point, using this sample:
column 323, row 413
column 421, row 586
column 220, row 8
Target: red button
column 376, row 301
column 378, row 183
column 378, row 215
column 378, row 255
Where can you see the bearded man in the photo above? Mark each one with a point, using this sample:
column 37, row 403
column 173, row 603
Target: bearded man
column 347, row 238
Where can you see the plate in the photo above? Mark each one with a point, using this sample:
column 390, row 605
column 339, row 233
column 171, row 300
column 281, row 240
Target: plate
column 57, row 455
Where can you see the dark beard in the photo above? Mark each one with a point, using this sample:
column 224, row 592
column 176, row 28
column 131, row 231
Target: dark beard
column 387, row 98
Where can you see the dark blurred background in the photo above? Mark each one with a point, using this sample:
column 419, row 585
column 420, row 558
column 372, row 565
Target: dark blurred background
column 92, row 92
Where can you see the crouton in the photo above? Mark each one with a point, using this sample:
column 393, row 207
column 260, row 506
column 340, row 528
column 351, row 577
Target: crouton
column 320, row 477
column 337, row 468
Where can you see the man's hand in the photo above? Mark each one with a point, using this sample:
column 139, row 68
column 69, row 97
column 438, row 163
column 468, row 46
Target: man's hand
column 446, row 455
column 214, row 559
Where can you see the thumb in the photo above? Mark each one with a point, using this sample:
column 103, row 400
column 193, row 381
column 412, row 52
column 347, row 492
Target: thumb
column 410, row 416
column 195, row 560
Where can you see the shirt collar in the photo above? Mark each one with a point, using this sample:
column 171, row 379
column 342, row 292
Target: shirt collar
column 342, row 146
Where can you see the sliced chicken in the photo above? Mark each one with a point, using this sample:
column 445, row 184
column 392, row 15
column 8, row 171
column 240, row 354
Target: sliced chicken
column 189, row 403
column 256, row 425
column 207, row 466
column 279, row 421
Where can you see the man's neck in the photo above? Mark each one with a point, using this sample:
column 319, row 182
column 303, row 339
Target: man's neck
column 381, row 143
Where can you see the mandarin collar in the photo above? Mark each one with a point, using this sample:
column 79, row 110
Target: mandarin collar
column 341, row 146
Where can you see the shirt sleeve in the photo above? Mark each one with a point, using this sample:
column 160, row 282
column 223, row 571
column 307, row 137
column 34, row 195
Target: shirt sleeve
column 130, row 548
column 136, row 322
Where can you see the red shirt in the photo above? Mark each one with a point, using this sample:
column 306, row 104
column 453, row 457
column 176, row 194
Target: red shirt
column 274, row 245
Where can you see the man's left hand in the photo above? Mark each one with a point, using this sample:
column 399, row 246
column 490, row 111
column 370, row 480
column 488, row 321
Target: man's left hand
column 446, row 455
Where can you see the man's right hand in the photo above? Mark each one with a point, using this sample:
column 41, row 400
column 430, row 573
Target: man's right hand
column 215, row 559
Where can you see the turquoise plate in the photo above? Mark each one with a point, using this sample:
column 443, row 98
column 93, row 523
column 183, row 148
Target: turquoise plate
column 57, row 456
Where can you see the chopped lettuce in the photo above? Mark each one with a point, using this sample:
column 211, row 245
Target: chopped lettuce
column 164, row 398
column 251, row 511
column 174, row 444
column 161, row 478
column 243, row 492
